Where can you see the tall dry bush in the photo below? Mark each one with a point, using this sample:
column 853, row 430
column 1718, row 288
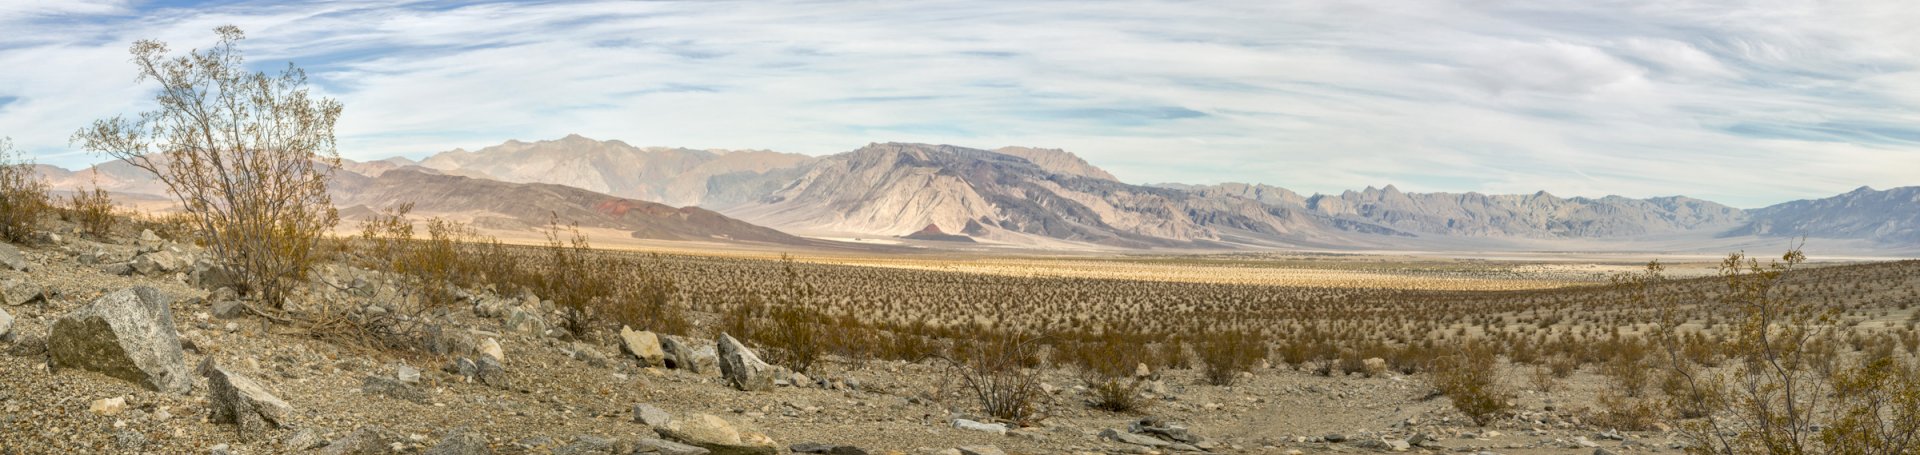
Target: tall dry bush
column 646, row 298
column 792, row 333
column 577, row 281
column 1107, row 364
column 247, row 154
column 1470, row 377
column 23, row 196
column 433, row 266
column 1229, row 353
column 1785, row 388
column 1001, row 371
column 93, row 211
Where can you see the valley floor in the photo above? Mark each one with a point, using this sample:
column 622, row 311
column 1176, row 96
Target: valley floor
column 572, row 395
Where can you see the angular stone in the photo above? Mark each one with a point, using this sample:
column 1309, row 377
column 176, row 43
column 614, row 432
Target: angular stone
column 643, row 345
column 127, row 334
column 129, row 440
column 588, row 445
column 238, row 400
column 27, row 346
column 11, row 259
column 491, row 348
column 16, row 292
column 446, row 339
column 229, row 309
column 526, row 322
column 392, row 388
column 367, row 440
column 995, row 428
column 463, row 367
column 847, row 450
column 6, row 325
column 157, row 263
column 650, row 415
column 718, row 436
column 490, row 372
column 407, row 374
column 1135, row 439
column 460, row 441
column 679, row 355
column 206, row 274
column 981, row 450
column 1374, row 366
column 108, row 406
column 303, row 440
column 742, row 369
column 665, row 447
column 810, row 447
column 587, row 353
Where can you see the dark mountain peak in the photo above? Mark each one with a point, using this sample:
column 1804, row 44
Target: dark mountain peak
column 933, row 232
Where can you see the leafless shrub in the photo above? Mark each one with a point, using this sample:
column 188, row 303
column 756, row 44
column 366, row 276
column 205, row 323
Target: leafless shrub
column 1001, row 372
column 246, row 153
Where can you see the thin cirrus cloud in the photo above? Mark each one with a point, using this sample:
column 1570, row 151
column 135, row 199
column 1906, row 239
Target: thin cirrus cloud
column 1742, row 102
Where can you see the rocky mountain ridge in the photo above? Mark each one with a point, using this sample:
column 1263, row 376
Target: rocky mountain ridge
column 1035, row 196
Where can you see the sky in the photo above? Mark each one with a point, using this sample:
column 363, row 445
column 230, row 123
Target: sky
column 1747, row 103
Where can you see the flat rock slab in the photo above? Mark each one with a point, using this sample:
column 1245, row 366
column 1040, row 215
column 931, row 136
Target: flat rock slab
column 665, row 447
column 16, row 292
column 11, row 259
column 718, row 436
column 128, row 334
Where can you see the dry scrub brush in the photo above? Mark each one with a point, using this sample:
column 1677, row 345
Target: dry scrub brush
column 1470, row 377
column 1109, row 364
column 1230, row 353
column 1787, row 388
column 23, row 196
column 1001, row 371
column 246, row 153
column 92, row 210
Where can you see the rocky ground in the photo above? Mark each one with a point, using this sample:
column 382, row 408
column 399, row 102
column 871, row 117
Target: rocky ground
column 181, row 369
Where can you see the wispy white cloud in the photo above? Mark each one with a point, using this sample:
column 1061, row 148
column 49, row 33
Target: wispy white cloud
column 1739, row 101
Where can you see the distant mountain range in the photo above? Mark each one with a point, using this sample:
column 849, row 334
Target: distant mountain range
column 526, row 206
column 1039, row 197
